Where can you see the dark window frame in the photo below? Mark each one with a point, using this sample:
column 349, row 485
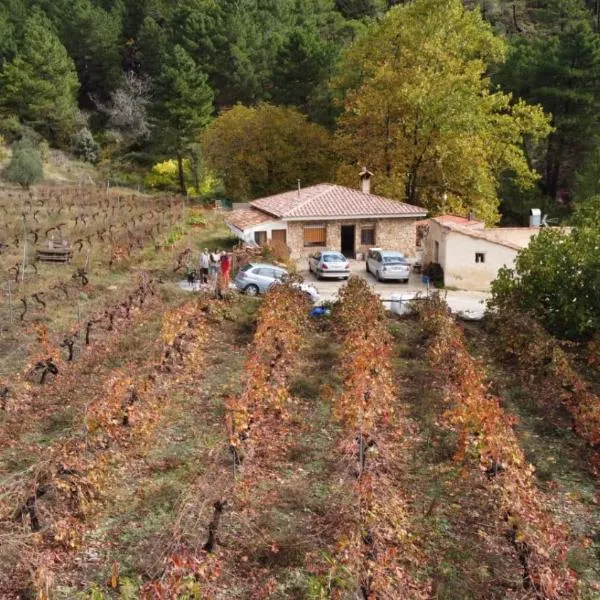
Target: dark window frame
column 479, row 257
column 259, row 234
column 363, row 231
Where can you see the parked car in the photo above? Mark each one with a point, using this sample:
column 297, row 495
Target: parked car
column 329, row 264
column 257, row 278
column 386, row 264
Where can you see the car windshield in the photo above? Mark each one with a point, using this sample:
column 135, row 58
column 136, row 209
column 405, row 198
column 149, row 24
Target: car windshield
column 394, row 260
column 333, row 258
column 246, row 267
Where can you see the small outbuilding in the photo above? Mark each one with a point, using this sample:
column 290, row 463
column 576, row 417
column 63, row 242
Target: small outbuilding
column 469, row 253
column 329, row 216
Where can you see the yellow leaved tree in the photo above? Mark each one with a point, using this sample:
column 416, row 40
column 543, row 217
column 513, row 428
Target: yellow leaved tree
column 420, row 110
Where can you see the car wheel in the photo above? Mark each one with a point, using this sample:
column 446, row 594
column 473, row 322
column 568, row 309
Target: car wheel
column 405, row 281
column 251, row 290
column 367, row 267
column 378, row 275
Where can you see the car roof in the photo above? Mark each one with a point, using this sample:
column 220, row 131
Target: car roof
column 268, row 265
column 332, row 252
column 391, row 253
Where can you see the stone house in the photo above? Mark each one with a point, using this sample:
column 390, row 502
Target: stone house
column 329, row 217
column 469, row 253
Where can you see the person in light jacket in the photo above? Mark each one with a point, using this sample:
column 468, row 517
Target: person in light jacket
column 204, row 265
column 215, row 259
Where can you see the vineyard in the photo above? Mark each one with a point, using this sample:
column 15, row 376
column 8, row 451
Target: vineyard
column 160, row 446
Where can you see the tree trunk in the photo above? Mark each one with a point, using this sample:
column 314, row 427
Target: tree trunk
column 181, row 174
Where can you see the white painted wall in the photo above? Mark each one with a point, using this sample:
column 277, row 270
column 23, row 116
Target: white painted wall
column 521, row 236
column 248, row 234
column 461, row 270
column 436, row 234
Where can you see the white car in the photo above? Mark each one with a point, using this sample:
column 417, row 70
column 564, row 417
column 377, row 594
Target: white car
column 386, row 264
column 329, row 264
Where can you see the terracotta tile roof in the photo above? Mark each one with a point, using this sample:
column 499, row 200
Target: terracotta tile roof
column 243, row 218
column 486, row 235
column 456, row 220
column 328, row 201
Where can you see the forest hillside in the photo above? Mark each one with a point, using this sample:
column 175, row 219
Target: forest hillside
column 490, row 106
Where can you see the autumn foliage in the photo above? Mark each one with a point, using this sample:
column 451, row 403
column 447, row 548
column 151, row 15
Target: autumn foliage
column 541, row 363
column 51, row 505
column 282, row 322
column 376, row 548
column 487, row 446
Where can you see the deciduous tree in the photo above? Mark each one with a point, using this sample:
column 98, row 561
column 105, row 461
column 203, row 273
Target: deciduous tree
column 420, row 111
column 265, row 150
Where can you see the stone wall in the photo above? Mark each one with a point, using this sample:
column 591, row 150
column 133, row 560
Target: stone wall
column 391, row 234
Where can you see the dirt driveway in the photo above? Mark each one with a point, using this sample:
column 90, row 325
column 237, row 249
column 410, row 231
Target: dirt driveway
column 468, row 303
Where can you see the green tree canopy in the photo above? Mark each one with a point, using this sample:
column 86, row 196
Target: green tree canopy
column 419, row 110
column 185, row 104
column 559, row 68
column 557, row 278
column 265, row 150
column 25, row 167
column 303, row 63
column 40, row 84
column 358, row 9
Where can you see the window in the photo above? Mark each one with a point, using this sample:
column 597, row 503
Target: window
column 332, row 257
column 315, row 235
column 436, row 252
column 422, row 231
column 479, row 257
column 367, row 236
column 260, row 237
column 266, row 272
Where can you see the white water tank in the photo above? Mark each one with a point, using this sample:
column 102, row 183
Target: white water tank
column 535, row 217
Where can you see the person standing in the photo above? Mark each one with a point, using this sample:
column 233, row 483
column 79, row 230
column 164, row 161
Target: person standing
column 215, row 259
column 222, row 287
column 204, row 265
column 225, row 270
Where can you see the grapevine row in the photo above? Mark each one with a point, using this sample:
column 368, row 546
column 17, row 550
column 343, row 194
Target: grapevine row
column 537, row 356
column 373, row 439
column 488, row 445
column 56, row 498
column 257, row 414
column 282, row 321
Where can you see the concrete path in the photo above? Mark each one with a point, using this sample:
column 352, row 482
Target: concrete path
column 470, row 305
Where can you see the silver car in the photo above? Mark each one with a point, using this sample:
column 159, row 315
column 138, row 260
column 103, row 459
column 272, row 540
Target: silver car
column 329, row 264
column 256, row 278
column 385, row 264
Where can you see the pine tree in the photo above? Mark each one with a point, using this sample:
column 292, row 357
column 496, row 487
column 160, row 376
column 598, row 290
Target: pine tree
column 40, row 84
column 185, row 104
column 303, row 62
column 560, row 69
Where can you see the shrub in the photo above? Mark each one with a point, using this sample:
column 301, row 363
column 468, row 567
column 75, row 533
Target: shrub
column 25, row 167
column 165, row 175
column 557, row 278
column 85, row 146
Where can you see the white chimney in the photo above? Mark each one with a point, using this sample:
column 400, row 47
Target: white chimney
column 365, row 180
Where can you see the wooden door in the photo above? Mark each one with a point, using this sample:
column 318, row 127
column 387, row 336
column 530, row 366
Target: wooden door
column 279, row 236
